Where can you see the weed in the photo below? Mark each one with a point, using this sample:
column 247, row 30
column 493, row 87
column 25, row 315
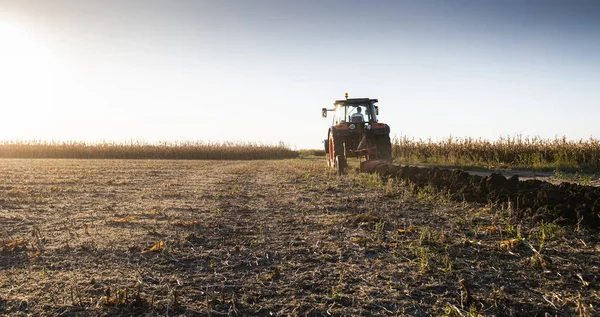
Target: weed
column 336, row 293
column 426, row 193
column 546, row 231
column 390, row 190
column 580, row 178
column 446, row 262
column 512, row 231
column 369, row 181
column 235, row 190
column 379, row 229
column 538, row 261
column 423, row 256
column 551, row 230
column 425, row 237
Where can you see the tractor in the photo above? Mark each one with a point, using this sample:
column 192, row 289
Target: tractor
column 356, row 132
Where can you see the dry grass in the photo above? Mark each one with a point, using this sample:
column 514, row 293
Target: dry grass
column 142, row 150
column 311, row 152
column 519, row 151
column 262, row 238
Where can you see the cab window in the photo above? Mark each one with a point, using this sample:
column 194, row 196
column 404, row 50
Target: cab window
column 340, row 114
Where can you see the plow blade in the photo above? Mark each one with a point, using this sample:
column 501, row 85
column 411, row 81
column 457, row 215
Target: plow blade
column 372, row 166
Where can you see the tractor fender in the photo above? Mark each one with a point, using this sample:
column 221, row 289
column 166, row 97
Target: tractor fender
column 382, row 130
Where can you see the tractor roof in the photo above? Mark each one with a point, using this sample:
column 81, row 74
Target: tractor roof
column 355, row 101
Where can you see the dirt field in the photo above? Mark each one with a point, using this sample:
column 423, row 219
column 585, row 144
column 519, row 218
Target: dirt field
column 289, row 237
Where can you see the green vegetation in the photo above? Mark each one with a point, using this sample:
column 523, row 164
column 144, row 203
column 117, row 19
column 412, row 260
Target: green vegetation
column 513, row 152
column 188, row 150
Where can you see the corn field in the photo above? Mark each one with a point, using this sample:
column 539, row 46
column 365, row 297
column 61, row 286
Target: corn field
column 187, row 150
column 519, row 151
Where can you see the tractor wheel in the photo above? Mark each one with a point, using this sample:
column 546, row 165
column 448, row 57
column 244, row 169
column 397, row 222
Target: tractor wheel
column 384, row 147
column 336, row 147
column 340, row 164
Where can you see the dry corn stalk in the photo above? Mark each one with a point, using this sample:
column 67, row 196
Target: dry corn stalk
column 157, row 247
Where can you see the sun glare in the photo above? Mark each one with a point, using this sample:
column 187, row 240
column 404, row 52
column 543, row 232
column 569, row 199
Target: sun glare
column 17, row 48
column 28, row 73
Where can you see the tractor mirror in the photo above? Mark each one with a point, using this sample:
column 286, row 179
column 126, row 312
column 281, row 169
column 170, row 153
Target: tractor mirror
column 376, row 110
column 324, row 112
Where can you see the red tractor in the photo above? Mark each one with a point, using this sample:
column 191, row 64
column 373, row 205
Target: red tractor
column 356, row 132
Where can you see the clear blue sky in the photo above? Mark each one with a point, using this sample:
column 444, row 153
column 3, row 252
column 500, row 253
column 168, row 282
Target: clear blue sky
column 261, row 71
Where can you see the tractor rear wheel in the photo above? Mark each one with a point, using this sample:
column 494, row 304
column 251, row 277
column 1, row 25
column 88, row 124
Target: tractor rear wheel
column 340, row 164
column 384, row 147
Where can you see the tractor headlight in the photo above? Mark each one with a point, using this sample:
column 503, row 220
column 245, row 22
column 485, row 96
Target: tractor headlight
column 368, row 127
column 352, row 126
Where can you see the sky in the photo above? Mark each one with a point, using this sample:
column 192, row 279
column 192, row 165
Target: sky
column 260, row 71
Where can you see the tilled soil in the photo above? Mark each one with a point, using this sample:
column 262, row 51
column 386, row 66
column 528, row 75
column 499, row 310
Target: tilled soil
column 264, row 238
column 534, row 199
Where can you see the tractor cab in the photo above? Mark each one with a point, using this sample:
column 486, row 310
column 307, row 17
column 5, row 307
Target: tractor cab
column 353, row 111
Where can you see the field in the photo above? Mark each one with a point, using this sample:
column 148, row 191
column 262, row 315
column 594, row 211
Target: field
column 265, row 237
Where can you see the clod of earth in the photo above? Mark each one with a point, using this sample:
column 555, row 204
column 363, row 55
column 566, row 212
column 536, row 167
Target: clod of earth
column 534, row 199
